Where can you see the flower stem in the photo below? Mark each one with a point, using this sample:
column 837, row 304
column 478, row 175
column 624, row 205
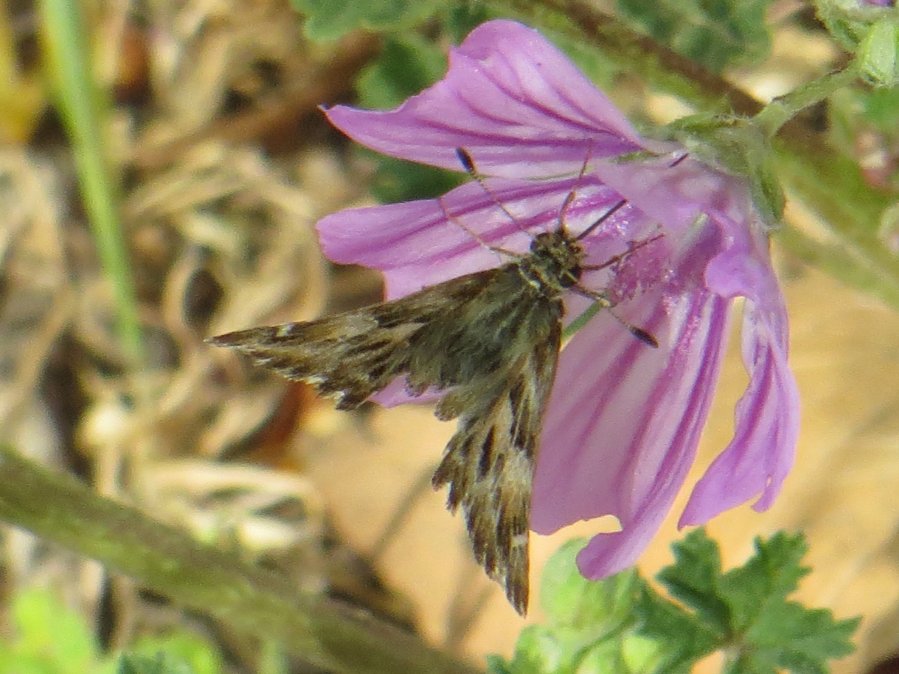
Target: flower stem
column 783, row 108
column 255, row 601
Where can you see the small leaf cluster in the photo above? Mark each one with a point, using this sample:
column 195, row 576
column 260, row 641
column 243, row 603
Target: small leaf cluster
column 48, row 638
column 625, row 625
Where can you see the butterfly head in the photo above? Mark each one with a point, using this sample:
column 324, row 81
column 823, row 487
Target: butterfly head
column 555, row 261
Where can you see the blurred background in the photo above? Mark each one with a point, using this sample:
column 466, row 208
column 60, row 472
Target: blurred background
column 218, row 164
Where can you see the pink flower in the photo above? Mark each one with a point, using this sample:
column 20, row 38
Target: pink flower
column 623, row 421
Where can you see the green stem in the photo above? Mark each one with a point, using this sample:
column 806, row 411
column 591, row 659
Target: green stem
column 256, row 601
column 85, row 112
column 784, row 108
column 572, row 328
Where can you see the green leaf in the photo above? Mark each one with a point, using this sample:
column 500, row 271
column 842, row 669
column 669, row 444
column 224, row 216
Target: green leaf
column 588, row 624
column 693, row 579
column 622, row 625
column 767, row 578
column 570, row 599
column 329, row 19
column 799, row 639
column 685, row 639
column 744, row 612
column 716, row 33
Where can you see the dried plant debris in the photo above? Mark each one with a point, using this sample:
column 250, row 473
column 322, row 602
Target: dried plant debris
column 220, row 190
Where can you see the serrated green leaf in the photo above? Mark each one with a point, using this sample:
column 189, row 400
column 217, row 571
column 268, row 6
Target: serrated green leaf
column 793, row 637
column 716, row 33
column 693, row 580
column 766, row 579
column 624, row 626
column 743, row 612
column 684, row 639
column 330, row 19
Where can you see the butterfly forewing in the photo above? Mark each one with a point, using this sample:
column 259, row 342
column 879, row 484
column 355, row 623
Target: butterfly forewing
column 352, row 355
column 489, row 341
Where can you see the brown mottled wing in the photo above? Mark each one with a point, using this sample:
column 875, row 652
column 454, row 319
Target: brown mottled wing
column 353, row 355
column 489, row 462
column 491, row 341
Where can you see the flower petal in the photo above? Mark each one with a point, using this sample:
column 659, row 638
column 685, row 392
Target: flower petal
column 416, row 246
column 757, row 460
column 622, row 428
column 512, row 99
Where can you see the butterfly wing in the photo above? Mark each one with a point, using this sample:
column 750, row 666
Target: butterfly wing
column 491, row 341
column 489, row 462
column 353, row 355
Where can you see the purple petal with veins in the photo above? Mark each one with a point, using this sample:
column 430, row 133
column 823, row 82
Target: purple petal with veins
column 623, row 422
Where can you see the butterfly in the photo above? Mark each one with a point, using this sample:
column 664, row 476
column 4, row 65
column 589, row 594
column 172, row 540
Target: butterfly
column 488, row 342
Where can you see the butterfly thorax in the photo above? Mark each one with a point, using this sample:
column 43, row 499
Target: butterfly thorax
column 554, row 263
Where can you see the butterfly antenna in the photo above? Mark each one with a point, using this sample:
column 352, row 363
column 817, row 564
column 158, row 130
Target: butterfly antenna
column 569, row 198
column 467, row 161
column 601, row 300
column 473, row 234
column 605, row 216
column 468, row 164
column 602, row 218
column 632, row 247
column 643, row 335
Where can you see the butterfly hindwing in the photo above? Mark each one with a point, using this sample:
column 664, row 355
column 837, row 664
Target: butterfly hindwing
column 489, row 462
